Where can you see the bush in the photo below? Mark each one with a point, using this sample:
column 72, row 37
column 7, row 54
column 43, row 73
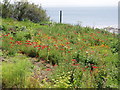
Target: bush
column 22, row 11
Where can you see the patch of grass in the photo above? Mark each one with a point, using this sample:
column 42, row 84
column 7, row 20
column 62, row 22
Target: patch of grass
column 14, row 73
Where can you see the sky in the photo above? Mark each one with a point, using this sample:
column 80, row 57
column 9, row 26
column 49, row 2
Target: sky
column 74, row 3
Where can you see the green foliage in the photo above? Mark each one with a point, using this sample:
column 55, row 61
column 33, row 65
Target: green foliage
column 6, row 9
column 115, row 48
column 14, row 73
column 23, row 11
column 87, row 57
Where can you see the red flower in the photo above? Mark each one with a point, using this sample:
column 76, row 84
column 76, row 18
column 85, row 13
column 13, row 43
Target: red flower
column 6, row 35
column 91, row 64
column 49, row 49
column 69, row 51
column 19, row 42
column 48, row 37
column 75, row 64
column 43, row 47
column 86, row 66
column 91, row 71
column 67, row 42
column 94, row 67
column 83, row 69
column 74, row 60
column 66, row 60
column 84, row 39
column 38, row 48
column 98, row 32
column 11, row 42
column 46, row 46
column 27, row 41
column 48, row 69
column 55, row 65
column 62, row 49
column 34, row 42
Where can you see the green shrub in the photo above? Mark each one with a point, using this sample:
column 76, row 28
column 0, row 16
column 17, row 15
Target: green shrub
column 22, row 11
column 14, row 73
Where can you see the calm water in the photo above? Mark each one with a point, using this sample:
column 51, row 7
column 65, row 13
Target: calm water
column 86, row 16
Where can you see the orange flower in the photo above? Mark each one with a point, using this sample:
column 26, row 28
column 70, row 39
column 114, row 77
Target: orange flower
column 67, row 42
column 49, row 37
column 80, row 48
column 102, row 45
column 68, row 47
column 106, row 46
column 37, row 46
column 93, row 51
column 62, row 44
column 75, row 64
column 55, row 45
column 11, row 38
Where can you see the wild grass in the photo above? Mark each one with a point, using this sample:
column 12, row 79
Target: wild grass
column 15, row 72
column 87, row 57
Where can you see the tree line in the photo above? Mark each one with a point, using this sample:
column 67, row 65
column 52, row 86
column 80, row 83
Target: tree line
column 23, row 11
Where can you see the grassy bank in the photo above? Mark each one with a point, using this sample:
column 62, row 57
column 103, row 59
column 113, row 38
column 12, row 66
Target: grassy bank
column 71, row 56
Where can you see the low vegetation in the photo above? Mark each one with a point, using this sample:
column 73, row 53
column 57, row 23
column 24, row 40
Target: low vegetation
column 78, row 57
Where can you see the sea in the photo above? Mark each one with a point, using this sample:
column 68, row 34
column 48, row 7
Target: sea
column 98, row 17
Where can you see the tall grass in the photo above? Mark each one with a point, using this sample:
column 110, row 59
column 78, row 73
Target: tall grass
column 14, row 73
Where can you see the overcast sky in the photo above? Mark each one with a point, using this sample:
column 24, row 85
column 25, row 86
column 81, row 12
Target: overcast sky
column 73, row 3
